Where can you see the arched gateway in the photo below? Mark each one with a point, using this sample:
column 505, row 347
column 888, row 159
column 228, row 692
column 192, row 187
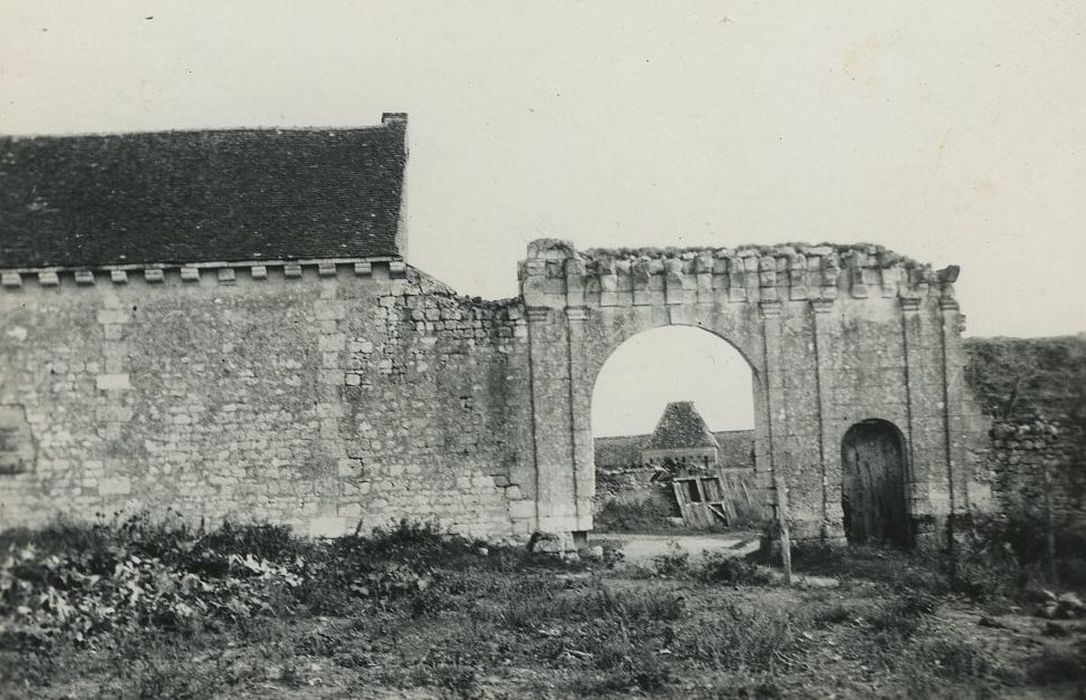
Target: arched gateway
column 834, row 334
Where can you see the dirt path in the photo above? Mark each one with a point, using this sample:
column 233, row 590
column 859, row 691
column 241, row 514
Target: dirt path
column 641, row 549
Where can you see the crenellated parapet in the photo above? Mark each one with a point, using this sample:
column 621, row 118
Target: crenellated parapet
column 556, row 275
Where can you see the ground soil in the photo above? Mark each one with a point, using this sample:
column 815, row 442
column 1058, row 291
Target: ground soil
column 651, row 623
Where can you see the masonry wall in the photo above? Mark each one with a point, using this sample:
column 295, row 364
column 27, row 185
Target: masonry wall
column 319, row 396
column 1034, row 391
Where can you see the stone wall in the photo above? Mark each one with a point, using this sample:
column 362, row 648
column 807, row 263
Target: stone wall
column 1034, row 389
column 319, row 395
column 329, row 394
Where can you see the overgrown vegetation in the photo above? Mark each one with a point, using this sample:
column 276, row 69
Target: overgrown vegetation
column 648, row 515
column 141, row 608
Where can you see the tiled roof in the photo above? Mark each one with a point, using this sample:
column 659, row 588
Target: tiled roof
column 619, row 452
column 624, row 451
column 681, row 426
column 201, row 196
column 736, row 448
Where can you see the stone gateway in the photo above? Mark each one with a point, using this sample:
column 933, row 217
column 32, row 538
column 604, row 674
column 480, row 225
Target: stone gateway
column 226, row 323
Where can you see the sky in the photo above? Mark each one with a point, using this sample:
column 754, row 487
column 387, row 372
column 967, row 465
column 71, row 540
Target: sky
column 674, row 363
column 951, row 132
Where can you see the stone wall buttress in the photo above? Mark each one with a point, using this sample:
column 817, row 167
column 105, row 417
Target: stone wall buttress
column 953, row 384
column 918, row 485
column 827, row 447
column 553, row 416
column 774, row 389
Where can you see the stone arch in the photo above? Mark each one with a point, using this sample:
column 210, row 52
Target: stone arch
column 598, row 361
column 829, row 331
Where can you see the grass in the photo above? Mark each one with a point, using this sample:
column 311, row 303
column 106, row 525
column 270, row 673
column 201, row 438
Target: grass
column 411, row 609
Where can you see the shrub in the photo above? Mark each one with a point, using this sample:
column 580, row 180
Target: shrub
column 675, row 563
column 721, row 568
column 120, row 576
column 833, row 614
column 902, row 615
column 648, row 515
column 755, row 639
column 1059, row 667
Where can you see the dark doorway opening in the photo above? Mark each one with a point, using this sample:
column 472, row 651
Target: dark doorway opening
column 873, row 484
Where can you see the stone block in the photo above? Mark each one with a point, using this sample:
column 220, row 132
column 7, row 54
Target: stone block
column 110, row 316
column 329, row 526
column 113, row 382
column 115, row 486
column 522, row 509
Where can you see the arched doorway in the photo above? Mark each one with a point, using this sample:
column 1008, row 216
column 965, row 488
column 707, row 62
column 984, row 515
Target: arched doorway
column 873, row 471
column 673, row 427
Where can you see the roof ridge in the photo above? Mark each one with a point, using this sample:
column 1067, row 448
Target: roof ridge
column 262, row 129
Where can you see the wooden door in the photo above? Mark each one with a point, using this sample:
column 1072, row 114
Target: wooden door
column 873, row 484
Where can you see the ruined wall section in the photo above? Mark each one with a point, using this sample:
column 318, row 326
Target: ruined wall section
column 320, row 395
column 1034, row 392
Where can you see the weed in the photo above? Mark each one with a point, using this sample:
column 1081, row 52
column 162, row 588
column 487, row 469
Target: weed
column 675, row 563
column 834, row 614
column 649, row 515
column 756, row 639
column 1056, row 668
column 721, row 568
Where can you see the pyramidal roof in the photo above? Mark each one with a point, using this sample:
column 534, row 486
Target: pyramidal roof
column 681, row 426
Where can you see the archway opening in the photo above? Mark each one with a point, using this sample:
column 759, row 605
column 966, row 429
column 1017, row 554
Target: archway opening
column 873, row 473
column 673, row 426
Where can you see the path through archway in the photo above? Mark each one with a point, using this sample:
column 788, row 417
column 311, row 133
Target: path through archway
column 673, row 413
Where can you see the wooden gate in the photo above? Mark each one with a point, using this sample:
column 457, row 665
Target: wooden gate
column 701, row 501
column 873, row 484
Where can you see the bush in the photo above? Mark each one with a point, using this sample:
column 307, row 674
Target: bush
column 648, row 515
column 78, row 581
column 741, row 639
column 675, row 563
column 721, row 568
column 902, row 615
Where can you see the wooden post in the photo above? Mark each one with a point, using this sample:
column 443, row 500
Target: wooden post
column 782, row 523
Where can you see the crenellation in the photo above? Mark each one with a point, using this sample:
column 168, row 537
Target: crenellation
column 798, row 271
column 767, row 278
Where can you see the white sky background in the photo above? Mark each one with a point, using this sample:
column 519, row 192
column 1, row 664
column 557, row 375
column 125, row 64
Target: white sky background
column 676, row 363
column 950, row 132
